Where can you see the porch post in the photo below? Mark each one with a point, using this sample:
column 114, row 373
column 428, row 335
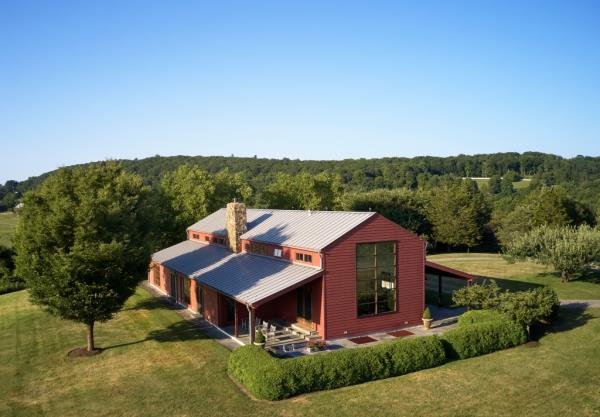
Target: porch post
column 251, row 325
column 235, row 319
column 439, row 290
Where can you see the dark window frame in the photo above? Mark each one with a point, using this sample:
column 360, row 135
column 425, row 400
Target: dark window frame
column 376, row 272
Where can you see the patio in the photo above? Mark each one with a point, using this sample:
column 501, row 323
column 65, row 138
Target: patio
column 446, row 319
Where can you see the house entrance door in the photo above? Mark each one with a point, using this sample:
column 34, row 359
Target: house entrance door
column 304, row 306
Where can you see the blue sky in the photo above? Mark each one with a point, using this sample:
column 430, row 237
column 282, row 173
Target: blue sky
column 83, row 81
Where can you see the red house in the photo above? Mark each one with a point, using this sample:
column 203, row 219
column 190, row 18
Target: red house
column 330, row 272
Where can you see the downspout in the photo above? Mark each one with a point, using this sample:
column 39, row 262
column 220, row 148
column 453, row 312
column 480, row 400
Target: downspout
column 324, row 296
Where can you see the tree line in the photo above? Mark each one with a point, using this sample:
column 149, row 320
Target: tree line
column 580, row 176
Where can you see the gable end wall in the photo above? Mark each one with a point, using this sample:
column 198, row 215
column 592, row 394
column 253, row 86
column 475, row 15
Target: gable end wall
column 341, row 319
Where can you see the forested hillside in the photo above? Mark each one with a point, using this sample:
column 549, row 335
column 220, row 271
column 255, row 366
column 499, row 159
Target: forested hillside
column 428, row 195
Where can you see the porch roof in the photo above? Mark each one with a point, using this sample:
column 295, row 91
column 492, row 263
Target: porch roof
column 251, row 279
column 434, row 268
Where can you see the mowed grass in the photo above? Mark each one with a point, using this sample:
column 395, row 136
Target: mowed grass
column 8, row 222
column 520, row 275
column 157, row 365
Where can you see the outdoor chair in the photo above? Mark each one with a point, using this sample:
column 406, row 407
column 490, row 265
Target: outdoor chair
column 272, row 331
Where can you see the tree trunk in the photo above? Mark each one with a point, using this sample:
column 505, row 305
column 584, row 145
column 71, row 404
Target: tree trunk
column 564, row 276
column 89, row 330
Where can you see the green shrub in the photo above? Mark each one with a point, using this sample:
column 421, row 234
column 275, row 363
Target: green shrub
column 258, row 371
column 484, row 336
column 528, row 307
column 269, row 378
column 482, row 296
column 479, row 316
column 259, row 337
column 427, row 314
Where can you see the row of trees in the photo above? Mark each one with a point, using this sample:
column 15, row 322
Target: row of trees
column 453, row 213
column 580, row 175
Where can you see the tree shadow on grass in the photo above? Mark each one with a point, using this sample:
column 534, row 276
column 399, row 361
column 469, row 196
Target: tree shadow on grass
column 566, row 319
column 592, row 276
column 509, row 284
column 147, row 304
column 180, row 331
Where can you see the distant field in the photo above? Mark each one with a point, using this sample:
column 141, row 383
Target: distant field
column 520, row 275
column 8, row 221
column 518, row 185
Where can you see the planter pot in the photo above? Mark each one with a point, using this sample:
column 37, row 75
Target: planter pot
column 427, row 323
column 259, row 344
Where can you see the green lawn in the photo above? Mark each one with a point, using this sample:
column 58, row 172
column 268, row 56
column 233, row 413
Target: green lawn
column 157, row 365
column 521, row 275
column 8, row 221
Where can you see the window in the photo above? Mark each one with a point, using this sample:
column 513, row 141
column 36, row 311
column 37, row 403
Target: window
column 258, row 248
column 206, row 239
column 156, row 276
column 375, row 278
column 186, row 290
column 195, row 236
column 303, row 257
column 277, row 252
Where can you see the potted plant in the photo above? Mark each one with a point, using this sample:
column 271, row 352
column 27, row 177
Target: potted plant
column 427, row 319
column 316, row 345
column 259, row 338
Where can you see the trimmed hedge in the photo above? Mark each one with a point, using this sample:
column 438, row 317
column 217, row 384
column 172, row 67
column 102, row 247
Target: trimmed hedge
column 266, row 377
column 272, row 379
column 479, row 316
column 482, row 332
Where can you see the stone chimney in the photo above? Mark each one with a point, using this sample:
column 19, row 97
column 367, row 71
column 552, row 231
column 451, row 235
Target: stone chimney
column 236, row 225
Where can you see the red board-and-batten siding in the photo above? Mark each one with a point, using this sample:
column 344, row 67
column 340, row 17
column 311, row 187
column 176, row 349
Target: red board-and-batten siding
column 340, row 280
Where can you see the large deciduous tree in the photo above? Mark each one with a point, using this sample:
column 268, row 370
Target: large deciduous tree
column 550, row 206
column 83, row 240
column 405, row 207
column 568, row 249
column 192, row 193
column 458, row 213
column 303, row 191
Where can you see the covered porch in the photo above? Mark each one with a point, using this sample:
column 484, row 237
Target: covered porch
column 441, row 282
column 287, row 319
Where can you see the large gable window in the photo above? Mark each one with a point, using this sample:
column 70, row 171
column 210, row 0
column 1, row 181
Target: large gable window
column 375, row 278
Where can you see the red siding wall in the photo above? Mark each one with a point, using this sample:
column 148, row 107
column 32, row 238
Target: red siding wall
column 283, row 307
column 211, row 305
column 340, row 280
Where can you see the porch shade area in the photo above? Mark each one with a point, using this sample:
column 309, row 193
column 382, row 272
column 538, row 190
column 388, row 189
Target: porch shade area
column 441, row 282
column 248, row 278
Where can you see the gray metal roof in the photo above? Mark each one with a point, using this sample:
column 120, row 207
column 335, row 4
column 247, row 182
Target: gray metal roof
column 305, row 229
column 248, row 278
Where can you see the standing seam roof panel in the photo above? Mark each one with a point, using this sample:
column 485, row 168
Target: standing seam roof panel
column 306, row 229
